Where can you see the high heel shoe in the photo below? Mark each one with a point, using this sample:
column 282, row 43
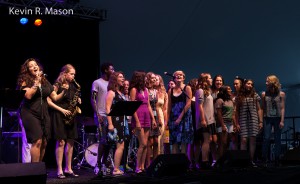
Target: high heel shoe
column 61, row 176
column 117, row 172
column 138, row 171
column 71, row 174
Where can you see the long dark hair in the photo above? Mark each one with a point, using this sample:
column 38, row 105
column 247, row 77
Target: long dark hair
column 213, row 87
column 138, row 80
column 246, row 93
column 113, row 81
column 25, row 77
column 223, row 93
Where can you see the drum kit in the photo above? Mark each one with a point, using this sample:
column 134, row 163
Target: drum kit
column 86, row 151
column 87, row 146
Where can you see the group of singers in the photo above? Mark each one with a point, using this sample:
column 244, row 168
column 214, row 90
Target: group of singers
column 202, row 119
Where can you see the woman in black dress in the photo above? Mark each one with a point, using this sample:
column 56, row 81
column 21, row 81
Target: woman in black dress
column 116, row 123
column 34, row 107
column 62, row 114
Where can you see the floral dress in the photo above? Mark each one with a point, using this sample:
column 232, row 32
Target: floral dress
column 183, row 132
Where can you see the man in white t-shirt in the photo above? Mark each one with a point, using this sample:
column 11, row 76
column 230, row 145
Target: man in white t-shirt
column 99, row 91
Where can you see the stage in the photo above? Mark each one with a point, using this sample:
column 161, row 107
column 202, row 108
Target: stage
column 259, row 175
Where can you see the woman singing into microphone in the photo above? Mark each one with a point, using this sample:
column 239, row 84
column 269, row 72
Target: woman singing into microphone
column 34, row 107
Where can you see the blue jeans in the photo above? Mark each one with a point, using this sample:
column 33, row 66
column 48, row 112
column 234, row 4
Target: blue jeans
column 268, row 123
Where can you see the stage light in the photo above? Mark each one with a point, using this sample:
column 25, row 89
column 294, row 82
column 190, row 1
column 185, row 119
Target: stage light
column 23, row 20
column 38, row 22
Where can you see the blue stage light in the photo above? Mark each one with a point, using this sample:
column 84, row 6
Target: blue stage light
column 23, row 21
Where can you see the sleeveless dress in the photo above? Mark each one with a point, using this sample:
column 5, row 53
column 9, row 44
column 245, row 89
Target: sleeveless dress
column 143, row 111
column 183, row 132
column 118, row 121
column 153, row 100
column 160, row 113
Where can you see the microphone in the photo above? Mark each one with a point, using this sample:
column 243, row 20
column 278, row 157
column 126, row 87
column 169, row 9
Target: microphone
column 43, row 74
column 168, row 74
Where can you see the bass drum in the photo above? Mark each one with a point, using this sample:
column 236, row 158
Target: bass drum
column 91, row 153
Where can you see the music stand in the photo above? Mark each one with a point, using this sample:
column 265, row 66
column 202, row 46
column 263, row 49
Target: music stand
column 125, row 108
column 9, row 98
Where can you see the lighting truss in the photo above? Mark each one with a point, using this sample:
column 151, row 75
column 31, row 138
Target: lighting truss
column 79, row 10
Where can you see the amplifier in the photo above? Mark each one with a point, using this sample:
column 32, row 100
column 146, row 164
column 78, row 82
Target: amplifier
column 12, row 147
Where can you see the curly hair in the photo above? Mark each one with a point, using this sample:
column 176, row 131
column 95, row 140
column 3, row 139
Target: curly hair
column 105, row 66
column 148, row 81
column 223, row 93
column 113, row 81
column 25, row 78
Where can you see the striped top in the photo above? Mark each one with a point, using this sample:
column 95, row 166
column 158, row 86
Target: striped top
column 248, row 116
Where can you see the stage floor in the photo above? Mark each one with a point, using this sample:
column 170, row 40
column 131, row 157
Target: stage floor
column 288, row 174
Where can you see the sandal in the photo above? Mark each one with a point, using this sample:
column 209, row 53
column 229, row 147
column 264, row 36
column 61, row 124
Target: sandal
column 117, row 172
column 61, row 176
column 71, row 174
column 138, row 171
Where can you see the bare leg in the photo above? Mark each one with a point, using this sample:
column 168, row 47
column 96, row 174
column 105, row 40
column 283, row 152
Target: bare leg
column 35, row 151
column 144, row 153
column 43, row 149
column 118, row 155
column 59, row 151
column 205, row 147
column 68, row 155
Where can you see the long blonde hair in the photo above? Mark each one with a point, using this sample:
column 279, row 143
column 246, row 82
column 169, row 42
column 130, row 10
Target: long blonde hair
column 275, row 84
column 161, row 86
column 61, row 79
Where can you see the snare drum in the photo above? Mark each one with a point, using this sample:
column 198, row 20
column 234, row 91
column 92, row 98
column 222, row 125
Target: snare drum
column 90, row 154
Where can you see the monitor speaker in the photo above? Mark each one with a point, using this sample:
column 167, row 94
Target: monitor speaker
column 18, row 173
column 168, row 165
column 233, row 159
